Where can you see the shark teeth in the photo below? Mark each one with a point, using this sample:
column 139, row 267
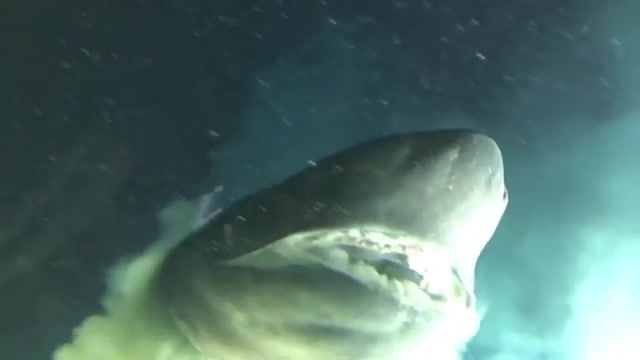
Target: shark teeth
column 417, row 272
column 424, row 273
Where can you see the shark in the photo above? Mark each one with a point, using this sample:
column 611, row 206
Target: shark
column 368, row 253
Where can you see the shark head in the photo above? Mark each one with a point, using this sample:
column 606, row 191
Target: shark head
column 368, row 253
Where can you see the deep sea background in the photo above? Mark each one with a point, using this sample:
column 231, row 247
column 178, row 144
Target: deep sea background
column 108, row 110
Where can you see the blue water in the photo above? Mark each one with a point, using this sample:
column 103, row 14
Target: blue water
column 111, row 111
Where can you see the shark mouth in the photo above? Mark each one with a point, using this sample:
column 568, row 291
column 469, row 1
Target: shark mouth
column 418, row 273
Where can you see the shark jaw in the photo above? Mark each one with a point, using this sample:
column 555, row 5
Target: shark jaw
column 416, row 272
column 364, row 292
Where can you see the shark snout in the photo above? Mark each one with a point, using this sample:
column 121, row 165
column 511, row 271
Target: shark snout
column 481, row 158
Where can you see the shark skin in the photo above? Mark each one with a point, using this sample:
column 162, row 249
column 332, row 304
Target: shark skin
column 369, row 253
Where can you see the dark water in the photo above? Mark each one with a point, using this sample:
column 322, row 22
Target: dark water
column 109, row 111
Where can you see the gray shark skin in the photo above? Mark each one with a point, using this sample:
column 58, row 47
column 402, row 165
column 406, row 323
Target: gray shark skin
column 368, row 254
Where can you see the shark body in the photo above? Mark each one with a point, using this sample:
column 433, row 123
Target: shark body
column 367, row 254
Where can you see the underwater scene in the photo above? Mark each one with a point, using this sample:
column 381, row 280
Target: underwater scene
column 320, row 179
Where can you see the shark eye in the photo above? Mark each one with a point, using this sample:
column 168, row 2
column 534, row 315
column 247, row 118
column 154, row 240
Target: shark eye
column 505, row 195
